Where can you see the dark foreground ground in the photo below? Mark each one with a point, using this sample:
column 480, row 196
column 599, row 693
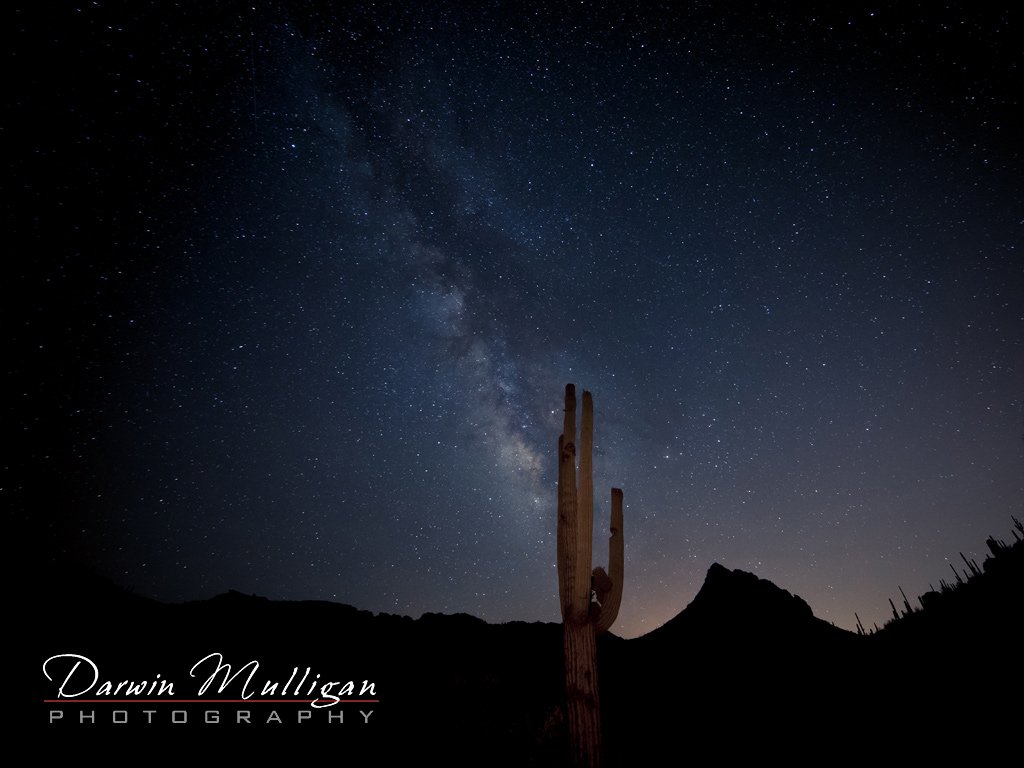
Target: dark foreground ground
column 744, row 669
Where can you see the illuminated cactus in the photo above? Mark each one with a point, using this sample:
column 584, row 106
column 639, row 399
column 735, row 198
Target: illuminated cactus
column 590, row 599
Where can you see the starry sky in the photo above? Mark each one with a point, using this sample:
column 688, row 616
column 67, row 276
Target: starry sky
column 293, row 293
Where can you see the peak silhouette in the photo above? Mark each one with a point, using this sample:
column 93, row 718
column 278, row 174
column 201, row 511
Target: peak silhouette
column 738, row 611
column 730, row 598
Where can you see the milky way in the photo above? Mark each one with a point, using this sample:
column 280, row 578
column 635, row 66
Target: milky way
column 296, row 294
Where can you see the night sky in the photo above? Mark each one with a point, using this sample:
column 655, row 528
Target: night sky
column 292, row 295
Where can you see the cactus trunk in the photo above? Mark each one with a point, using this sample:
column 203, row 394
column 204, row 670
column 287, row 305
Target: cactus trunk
column 583, row 617
column 581, row 692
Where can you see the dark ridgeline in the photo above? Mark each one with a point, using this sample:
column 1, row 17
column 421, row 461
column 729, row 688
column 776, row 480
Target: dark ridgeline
column 746, row 666
column 958, row 597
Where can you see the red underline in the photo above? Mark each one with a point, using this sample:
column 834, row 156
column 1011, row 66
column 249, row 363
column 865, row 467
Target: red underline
column 207, row 701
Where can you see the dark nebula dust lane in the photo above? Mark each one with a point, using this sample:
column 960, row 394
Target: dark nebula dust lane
column 293, row 294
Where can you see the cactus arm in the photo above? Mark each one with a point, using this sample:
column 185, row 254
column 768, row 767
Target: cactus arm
column 565, row 532
column 616, row 564
column 569, row 423
column 584, row 509
column 573, row 591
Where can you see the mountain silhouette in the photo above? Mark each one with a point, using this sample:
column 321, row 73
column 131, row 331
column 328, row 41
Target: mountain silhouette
column 736, row 606
column 745, row 664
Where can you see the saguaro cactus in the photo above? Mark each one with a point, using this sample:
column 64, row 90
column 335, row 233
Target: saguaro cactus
column 590, row 599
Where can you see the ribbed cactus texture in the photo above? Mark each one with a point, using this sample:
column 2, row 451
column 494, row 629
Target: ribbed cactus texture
column 590, row 599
